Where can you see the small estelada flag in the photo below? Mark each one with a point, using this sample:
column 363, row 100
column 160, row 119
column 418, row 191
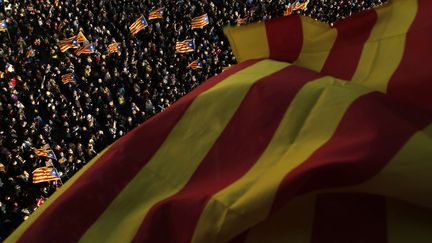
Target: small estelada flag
column 68, row 78
column 200, row 21
column 195, row 64
column 156, row 14
column 113, row 48
column 138, row 25
column 43, row 174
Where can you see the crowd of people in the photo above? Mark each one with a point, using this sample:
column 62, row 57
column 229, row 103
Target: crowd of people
column 112, row 94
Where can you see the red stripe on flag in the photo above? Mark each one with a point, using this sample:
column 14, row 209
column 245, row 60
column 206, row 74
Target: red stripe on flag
column 237, row 149
column 352, row 34
column 372, row 131
column 285, row 38
column 349, row 218
column 103, row 181
column 412, row 80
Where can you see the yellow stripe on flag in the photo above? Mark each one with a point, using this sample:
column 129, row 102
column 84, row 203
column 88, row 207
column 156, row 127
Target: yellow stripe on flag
column 31, row 220
column 383, row 51
column 318, row 40
column 309, row 122
column 251, row 40
column 176, row 160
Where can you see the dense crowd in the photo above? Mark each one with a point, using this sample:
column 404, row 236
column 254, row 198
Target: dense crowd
column 112, row 94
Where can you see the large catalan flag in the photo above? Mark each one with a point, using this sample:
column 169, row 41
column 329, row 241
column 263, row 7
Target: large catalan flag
column 319, row 135
column 185, row 46
column 68, row 43
column 138, row 25
column 200, row 21
column 44, row 174
column 86, row 49
column 156, row 14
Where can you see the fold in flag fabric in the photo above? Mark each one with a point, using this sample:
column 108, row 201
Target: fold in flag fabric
column 156, row 14
column 68, row 78
column 113, row 48
column 68, row 43
column 200, row 21
column 195, row 64
column 138, row 25
column 3, row 26
column 319, row 134
column 44, row 174
column 87, row 49
column 185, row 46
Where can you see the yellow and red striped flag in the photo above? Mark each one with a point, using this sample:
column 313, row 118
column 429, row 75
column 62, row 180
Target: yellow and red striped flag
column 81, row 38
column 68, row 43
column 319, row 134
column 45, row 151
column 185, row 46
column 289, row 10
column 300, row 5
column 156, row 14
column 87, row 49
column 138, row 25
column 195, row 64
column 113, row 48
column 68, row 78
column 44, row 174
column 200, row 21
